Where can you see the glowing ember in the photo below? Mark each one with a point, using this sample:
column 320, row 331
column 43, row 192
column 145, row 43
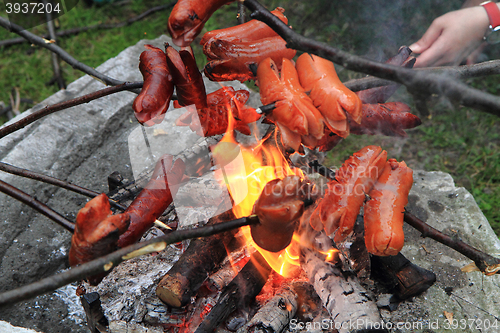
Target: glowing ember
column 332, row 255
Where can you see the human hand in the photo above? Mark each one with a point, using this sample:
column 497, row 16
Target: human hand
column 451, row 37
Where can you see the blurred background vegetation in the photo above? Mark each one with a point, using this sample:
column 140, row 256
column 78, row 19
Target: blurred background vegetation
column 453, row 139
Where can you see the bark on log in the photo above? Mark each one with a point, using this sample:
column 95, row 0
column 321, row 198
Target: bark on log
column 201, row 258
column 275, row 315
column 344, row 297
column 231, row 266
column 239, row 293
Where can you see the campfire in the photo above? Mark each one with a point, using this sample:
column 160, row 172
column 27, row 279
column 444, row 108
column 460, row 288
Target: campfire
column 227, row 281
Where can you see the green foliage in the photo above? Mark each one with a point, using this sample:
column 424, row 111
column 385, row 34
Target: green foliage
column 29, row 67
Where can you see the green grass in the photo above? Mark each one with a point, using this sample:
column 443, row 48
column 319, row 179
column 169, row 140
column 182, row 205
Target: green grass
column 29, row 68
column 453, row 139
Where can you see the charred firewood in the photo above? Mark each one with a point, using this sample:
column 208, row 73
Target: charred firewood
column 310, row 310
column 96, row 321
column 401, row 276
column 239, row 294
column 115, row 180
column 355, row 258
column 275, row 314
column 201, row 258
column 343, row 296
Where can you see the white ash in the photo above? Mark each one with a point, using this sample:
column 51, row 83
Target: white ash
column 123, row 291
column 72, row 301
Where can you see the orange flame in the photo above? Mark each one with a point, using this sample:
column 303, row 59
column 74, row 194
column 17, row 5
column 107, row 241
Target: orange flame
column 245, row 171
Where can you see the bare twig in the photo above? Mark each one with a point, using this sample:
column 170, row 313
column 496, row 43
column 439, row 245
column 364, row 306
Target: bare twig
column 74, row 31
column 55, row 59
column 104, row 264
column 34, row 39
column 242, row 17
column 458, row 72
column 416, row 81
column 4, row 110
column 15, row 101
column 37, row 205
column 54, row 181
column 487, row 264
column 64, row 105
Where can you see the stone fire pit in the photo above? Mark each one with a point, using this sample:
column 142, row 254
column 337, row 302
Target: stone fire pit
column 85, row 144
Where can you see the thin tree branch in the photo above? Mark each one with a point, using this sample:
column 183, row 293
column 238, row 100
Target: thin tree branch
column 66, row 104
column 487, row 264
column 242, row 16
column 54, row 181
column 74, row 31
column 34, row 39
column 7, row 108
column 416, row 81
column 55, row 59
column 104, row 264
column 459, row 72
column 37, row 205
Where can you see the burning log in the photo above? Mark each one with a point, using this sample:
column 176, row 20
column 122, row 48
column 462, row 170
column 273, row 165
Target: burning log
column 233, row 263
column 311, row 315
column 201, row 258
column 275, row 314
column 239, row 293
column 344, row 298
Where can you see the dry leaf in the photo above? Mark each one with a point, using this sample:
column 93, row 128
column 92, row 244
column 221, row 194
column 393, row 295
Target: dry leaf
column 449, row 316
column 159, row 131
column 470, row 268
